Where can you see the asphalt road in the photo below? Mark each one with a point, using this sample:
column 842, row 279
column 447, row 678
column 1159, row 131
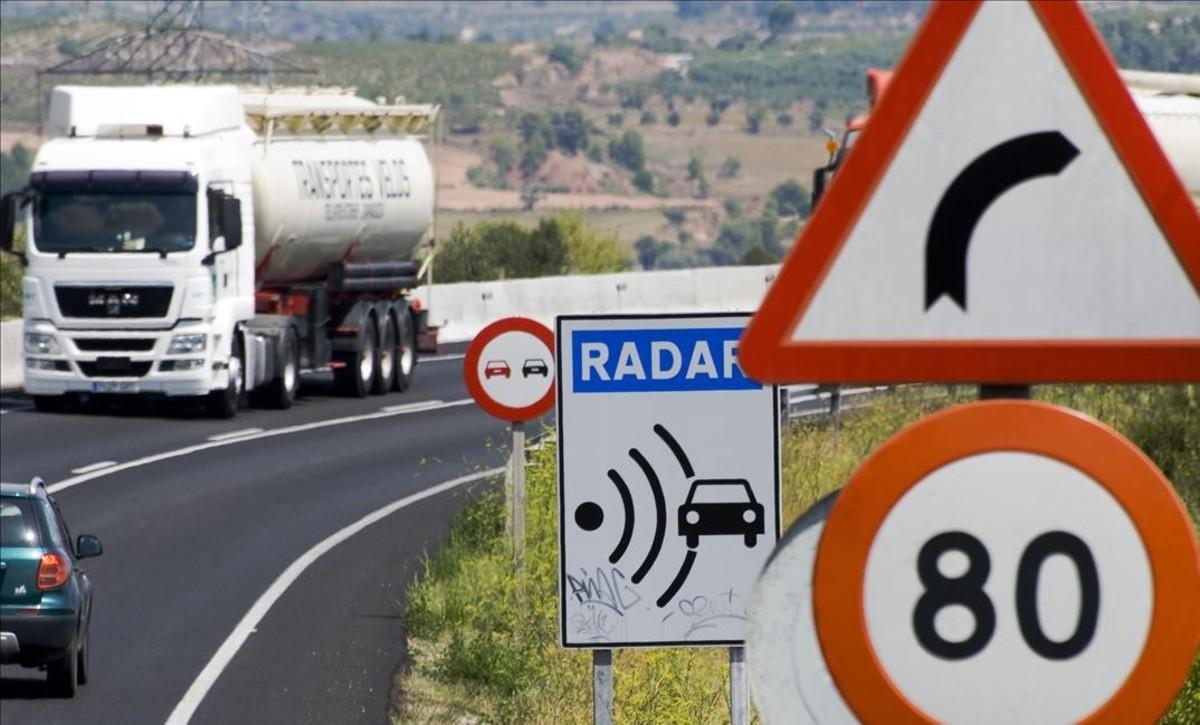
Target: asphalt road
column 192, row 539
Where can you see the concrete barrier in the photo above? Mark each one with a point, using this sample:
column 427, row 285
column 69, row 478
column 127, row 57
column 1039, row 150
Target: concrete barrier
column 12, row 358
column 462, row 309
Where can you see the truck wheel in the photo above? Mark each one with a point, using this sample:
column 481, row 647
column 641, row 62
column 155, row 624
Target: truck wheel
column 63, row 675
column 389, row 351
column 48, row 403
column 224, row 404
column 406, row 358
column 357, row 376
column 281, row 392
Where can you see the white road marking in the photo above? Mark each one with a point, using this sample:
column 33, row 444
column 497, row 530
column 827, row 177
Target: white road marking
column 444, row 358
column 225, row 653
column 411, row 407
column 228, row 436
column 93, row 467
column 188, row 450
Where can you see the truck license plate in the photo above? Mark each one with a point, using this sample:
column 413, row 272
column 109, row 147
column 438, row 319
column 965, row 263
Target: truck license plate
column 114, row 386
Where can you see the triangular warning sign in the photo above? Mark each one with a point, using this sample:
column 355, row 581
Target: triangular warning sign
column 1006, row 216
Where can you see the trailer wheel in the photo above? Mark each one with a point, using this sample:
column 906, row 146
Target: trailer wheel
column 281, row 393
column 406, row 358
column 357, row 376
column 224, row 404
column 389, row 353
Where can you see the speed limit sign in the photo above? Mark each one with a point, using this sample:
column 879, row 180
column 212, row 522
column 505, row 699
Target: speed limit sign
column 1008, row 561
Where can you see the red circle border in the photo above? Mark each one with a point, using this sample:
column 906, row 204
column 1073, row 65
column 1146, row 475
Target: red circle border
column 1075, row 439
column 471, row 367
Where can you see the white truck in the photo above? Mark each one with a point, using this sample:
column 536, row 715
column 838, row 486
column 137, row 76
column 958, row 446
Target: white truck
column 192, row 241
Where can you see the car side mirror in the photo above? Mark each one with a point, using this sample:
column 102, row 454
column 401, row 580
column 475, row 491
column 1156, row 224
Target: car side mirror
column 231, row 222
column 8, row 220
column 88, row 546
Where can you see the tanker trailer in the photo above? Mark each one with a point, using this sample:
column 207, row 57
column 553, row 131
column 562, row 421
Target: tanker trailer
column 189, row 241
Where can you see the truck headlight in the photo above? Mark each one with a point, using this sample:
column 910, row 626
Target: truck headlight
column 39, row 344
column 183, row 344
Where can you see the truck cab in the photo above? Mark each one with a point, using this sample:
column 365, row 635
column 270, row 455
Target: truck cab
column 135, row 268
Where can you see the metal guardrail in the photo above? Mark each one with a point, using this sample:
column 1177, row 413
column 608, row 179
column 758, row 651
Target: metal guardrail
column 805, row 401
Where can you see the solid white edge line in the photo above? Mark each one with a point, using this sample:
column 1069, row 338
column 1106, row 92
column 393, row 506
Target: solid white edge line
column 233, row 434
column 195, row 694
column 93, row 467
column 411, row 407
column 188, row 450
column 444, row 358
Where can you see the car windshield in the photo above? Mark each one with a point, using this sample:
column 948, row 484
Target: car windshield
column 719, row 492
column 18, row 523
column 115, row 222
column 535, row 362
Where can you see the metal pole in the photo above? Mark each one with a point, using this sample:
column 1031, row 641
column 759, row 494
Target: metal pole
column 602, row 687
column 994, row 392
column 518, row 492
column 739, row 699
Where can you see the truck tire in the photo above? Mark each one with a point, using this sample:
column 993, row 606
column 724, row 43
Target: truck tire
column 406, row 358
column 62, row 675
column 281, row 392
column 224, row 404
column 389, row 352
column 49, row 403
column 357, row 376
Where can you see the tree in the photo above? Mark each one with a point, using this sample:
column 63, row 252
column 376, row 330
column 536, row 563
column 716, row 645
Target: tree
column 780, row 18
column 533, row 125
column 504, row 155
column 633, row 96
column 791, row 199
column 605, row 33
column 695, row 168
column 648, row 251
column 571, row 131
column 754, row 118
column 733, row 207
column 757, row 255
column 729, row 168
column 816, row 117
column 648, row 118
column 567, row 56
column 628, row 151
column 533, row 157
column 713, row 118
column 673, row 118
column 589, row 250
column 644, row 181
column 784, row 119
column 616, row 119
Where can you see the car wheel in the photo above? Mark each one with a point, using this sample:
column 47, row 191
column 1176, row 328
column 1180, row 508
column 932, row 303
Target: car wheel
column 693, row 540
column 84, row 665
column 63, row 675
column 750, row 540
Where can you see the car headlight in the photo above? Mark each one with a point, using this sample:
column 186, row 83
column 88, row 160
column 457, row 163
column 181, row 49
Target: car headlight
column 39, row 344
column 692, row 517
column 749, row 515
column 183, row 344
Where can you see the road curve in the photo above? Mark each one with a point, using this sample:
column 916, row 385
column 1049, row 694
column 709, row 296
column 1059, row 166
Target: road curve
column 191, row 542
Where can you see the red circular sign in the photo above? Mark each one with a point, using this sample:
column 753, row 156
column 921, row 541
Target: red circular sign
column 867, row 523
column 510, row 369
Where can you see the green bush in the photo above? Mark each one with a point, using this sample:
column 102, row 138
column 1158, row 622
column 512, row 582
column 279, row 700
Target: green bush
column 559, row 244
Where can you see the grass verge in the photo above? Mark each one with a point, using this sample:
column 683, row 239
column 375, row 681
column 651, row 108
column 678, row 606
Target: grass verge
column 484, row 640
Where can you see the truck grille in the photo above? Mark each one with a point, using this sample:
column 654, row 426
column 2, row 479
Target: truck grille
column 115, row 367
column 114, row 344
column 114, row 302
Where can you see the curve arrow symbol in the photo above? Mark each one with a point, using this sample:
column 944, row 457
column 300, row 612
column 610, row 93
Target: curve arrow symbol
column 985, row 179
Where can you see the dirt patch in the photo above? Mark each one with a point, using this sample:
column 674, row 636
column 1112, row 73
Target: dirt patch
column 24, row 134
column 620, row 65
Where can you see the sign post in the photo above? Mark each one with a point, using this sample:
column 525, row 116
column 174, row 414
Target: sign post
column 668, row 487
column 509, row 370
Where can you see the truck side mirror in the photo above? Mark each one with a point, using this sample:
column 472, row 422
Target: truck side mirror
column 9, row 204
column 231, row 221
column 819, row 177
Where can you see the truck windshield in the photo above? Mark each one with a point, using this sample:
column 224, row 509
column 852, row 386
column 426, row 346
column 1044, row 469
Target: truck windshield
column 115, row 222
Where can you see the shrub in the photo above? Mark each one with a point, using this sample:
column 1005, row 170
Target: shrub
column 648, row 118
column 673, row 118
column 628, row 151
column 644, row 181
column 568, row 56
column 754, row 118
column 729, row 168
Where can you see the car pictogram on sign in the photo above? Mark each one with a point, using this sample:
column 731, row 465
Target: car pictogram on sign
column 497, row 368
column 535, row 366
column 720, row 507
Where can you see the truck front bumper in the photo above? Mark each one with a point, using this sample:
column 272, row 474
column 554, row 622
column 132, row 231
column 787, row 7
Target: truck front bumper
column 120, row 362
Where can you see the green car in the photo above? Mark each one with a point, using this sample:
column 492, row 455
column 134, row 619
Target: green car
column 45, row 596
